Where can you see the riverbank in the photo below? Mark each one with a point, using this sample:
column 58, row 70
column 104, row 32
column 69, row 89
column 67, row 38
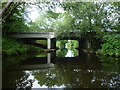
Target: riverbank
column 12, row 47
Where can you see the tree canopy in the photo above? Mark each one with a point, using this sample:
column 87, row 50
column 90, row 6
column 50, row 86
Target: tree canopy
column 63, row 18
column 80, row 17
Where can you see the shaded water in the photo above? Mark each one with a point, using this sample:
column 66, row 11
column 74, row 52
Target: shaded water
column 63, row 69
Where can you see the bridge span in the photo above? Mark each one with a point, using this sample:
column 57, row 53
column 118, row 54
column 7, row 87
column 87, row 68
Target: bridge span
column 84, row 41
column 34, row 35
column 49, row 36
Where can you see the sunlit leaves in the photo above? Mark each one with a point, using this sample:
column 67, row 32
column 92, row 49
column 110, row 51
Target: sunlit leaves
column 64, row 24
column 44, row 22
column 92, row 16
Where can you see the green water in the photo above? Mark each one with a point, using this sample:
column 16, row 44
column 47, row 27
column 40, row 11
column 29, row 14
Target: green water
column 61, row 69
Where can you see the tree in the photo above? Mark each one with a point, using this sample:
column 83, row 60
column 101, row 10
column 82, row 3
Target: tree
column 44, row 22
column 8, row 8
column 64, row 24
column 15, row 22
column 91, row 16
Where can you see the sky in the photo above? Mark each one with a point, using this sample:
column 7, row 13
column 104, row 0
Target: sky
column 33, row 12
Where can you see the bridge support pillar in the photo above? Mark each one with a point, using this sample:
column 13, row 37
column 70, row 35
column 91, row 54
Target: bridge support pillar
column 51, row 43
column 48, row 43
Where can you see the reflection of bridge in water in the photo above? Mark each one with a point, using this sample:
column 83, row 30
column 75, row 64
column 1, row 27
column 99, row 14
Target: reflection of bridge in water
column 47, row 62
column 36, row 63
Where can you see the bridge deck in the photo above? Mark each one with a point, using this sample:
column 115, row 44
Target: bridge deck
column 34, row 35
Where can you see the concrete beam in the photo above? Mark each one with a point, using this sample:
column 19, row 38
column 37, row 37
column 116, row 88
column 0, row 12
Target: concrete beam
column 34, row 35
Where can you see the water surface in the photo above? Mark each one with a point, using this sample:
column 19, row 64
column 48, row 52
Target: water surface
column 63, row 69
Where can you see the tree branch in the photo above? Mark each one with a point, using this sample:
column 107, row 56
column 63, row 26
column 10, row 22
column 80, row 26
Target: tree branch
column 6, row 7
column 3, row 18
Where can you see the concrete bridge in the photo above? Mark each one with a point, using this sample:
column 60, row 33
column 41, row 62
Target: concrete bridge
column 35, row 35
column 84, row 42
column 49, row 36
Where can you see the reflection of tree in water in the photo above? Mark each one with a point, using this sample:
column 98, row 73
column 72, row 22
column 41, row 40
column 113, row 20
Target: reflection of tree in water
column 79, row 76
column 18, row 80
column 71, row 74
column 72, row 44
column 76, row 53
column 61, row 52
column 15, row 79
column 61, row 43
column 10, row 78
column 111, row 67
column 24, row 82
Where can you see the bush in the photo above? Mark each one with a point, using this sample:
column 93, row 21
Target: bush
column 111, row 45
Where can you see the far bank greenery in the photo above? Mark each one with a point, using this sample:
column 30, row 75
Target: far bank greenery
column 68, row 19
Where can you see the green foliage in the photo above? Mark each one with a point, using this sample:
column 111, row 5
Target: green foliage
column 78, row 18
column 111, row 45
column 61, row 52
column 72, row 44
column 63, row 25
column 64, row 46
column 12, row 47
column 67, row 43
column 15, row 22
column 61, row 43
column 44, row 23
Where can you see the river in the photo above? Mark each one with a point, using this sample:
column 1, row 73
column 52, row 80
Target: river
column 61, row 69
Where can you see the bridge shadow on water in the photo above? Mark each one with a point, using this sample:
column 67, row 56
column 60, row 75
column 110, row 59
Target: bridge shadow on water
column 61, row 69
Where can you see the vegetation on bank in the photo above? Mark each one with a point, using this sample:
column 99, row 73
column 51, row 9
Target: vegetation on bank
column 111, row 45
column 12, row 47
